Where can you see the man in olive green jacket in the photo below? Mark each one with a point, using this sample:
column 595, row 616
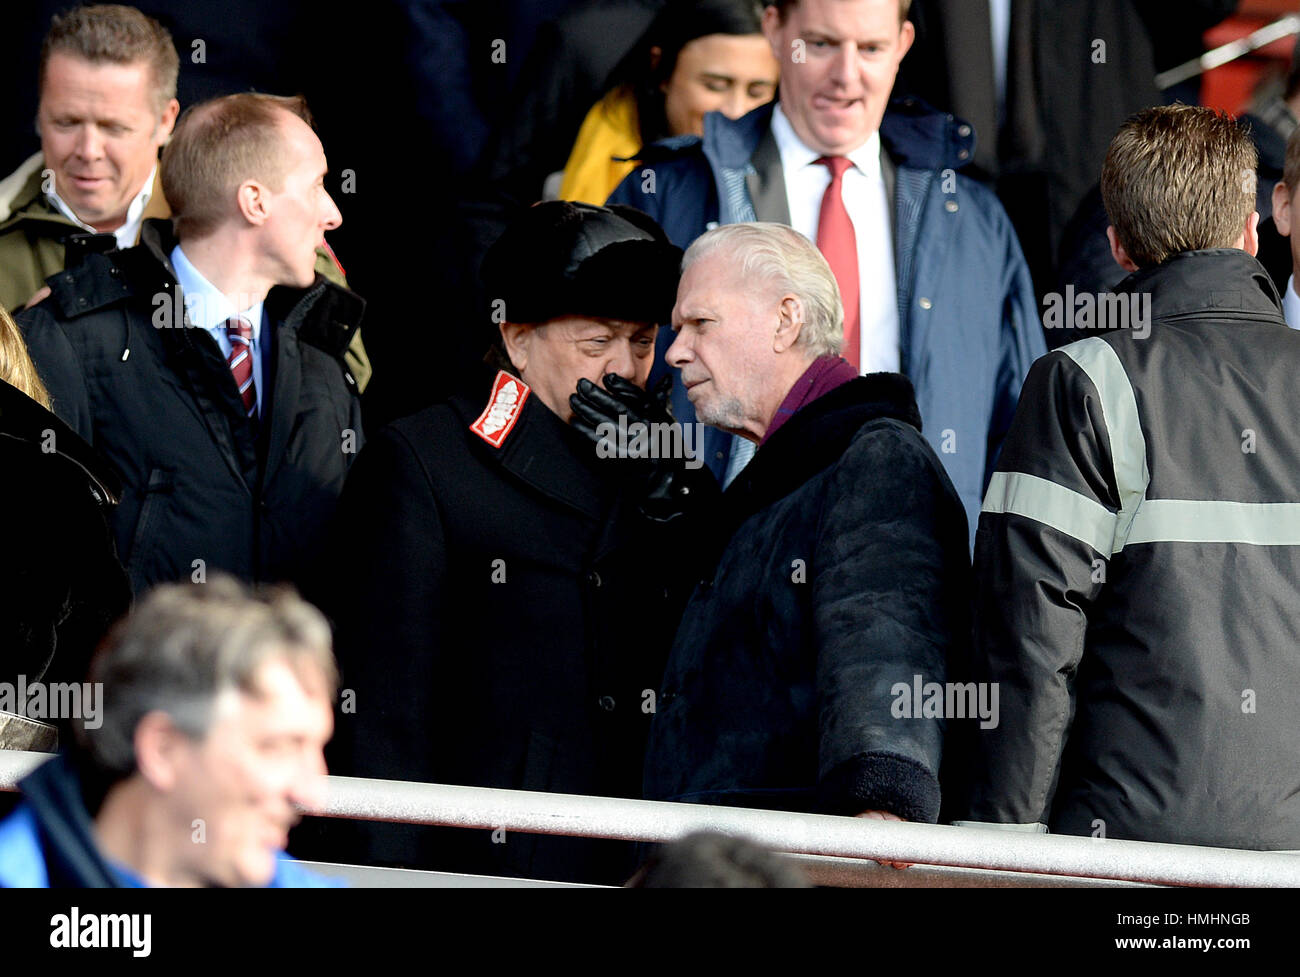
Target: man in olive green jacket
column 107, row 105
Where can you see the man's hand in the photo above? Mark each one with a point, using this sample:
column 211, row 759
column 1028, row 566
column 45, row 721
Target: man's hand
column 668, row 488
column 885, row 816
column 593, row 406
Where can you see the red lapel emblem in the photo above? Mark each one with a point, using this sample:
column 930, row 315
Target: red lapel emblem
column 498, row 419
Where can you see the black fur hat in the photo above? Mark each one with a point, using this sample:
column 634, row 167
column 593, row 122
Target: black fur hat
column 560, row 258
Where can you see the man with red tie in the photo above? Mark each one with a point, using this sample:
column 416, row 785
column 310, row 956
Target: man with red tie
column 934, row 282
column 206, row 363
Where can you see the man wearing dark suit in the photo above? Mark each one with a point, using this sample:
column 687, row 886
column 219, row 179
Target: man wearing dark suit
column 933, row 280
column 206, row 365
column 1045, row 86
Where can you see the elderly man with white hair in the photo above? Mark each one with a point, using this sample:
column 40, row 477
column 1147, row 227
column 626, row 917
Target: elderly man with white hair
column 839, row 571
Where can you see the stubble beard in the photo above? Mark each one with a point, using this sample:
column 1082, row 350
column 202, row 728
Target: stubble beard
column 728, row 413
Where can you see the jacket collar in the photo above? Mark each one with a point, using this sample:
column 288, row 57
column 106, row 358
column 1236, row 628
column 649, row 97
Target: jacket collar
column 25, row 420
column 815, row 438
column 54, row 791
column 21, row 198
column 1219, row 282
column 913, row 134
column 324, row 314
column 546, row 453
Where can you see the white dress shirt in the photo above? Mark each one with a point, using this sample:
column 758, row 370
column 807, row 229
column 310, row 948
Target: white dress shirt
column 129, row 232
column 865, row 198
column 1000, row 22
column 208, row 308
column 1291, row 305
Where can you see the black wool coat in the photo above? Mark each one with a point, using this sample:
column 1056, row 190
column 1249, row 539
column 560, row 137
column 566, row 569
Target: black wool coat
column 157, row 399
column 503, row 617
column 843, row 571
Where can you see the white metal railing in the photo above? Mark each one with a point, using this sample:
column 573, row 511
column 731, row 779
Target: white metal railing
column 1282, row 27
column 833, row 850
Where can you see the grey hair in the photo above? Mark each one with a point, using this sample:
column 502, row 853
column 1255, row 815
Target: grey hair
column 184, row 645
column 781, row 258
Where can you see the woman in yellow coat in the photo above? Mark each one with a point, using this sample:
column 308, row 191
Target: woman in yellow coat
column 697, row 57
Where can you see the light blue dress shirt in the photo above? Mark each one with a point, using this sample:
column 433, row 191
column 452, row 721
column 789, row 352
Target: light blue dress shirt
column 208, row 308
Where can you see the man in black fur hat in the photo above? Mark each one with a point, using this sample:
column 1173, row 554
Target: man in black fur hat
column 508, row 589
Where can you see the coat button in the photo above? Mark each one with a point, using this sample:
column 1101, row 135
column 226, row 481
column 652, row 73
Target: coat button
column 593, row 578
column 964, row 154
column 607, row 703
column 963, row 131
column 926, row 303
column 950, row 206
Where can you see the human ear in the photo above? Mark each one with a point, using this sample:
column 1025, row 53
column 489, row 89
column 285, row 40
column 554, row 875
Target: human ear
column 789, row 323
column 516, row 337
column 1117, row 251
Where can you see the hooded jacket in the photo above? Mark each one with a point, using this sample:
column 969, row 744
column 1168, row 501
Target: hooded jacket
column 1138, row 568
column 968, row 325
column 203, row 489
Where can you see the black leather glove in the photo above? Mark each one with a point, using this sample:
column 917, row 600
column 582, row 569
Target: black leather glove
column 669, row 487
column 620, row 398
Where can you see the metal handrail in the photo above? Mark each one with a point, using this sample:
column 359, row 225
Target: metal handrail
column 840, row 838
column 1284, row 26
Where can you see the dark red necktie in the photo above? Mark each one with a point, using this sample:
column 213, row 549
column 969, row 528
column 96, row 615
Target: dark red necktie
column 839, row 245
column 240, row 332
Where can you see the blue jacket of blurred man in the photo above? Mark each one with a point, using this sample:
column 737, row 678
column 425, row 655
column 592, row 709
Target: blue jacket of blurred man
column 192, row 766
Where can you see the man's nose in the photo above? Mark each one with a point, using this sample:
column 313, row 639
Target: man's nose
column 333, row 217
column 621, row 360
column 679, row 352
column 309, row 786
column 89, row 143
column 845, row 63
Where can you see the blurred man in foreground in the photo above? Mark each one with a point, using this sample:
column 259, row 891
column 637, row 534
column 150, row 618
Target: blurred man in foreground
column 217, row 708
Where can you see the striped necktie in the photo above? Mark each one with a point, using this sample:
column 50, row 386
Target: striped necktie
column 240, row 332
